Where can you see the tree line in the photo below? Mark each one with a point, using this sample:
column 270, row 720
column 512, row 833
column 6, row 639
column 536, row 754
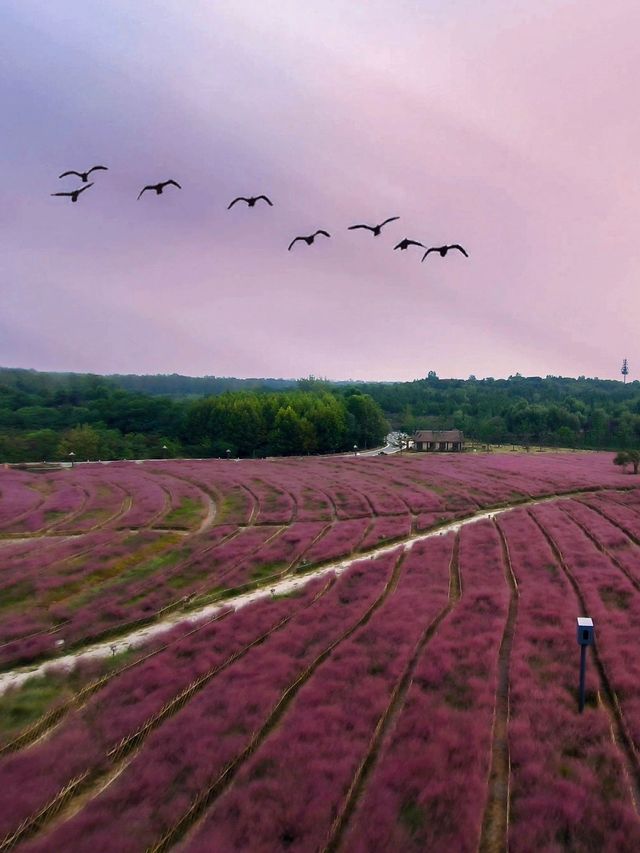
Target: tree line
column 552, row 411
column 49, row 416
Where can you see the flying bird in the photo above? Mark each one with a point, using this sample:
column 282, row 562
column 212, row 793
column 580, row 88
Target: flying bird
column 444, row 249
column 251, row 201
column 405, row 243
column 374, row 228
column 308, row 240
column 75, row 193
column 83, row 175
column 159, row 187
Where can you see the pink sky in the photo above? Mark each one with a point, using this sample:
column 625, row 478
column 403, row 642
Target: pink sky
column 510, row 127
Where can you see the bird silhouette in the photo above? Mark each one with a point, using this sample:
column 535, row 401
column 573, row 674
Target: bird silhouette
column 75, row 193
column 83, row 175
column 405, row 243
column 308, row 240
column 374, row 228
column 159, row 187
column 251, row 201
column 444, row 249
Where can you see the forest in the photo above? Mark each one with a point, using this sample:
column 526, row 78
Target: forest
column 597, row 414
column 49, row 415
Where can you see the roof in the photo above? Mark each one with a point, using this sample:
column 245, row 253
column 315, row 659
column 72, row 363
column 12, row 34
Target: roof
column 438, row 435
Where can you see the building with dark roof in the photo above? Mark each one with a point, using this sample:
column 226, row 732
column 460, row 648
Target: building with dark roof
column 441, row 440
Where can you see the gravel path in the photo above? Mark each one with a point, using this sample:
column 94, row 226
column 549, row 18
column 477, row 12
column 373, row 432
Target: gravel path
column 16, row 677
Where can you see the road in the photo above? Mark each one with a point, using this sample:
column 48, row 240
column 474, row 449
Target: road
column 389, row 447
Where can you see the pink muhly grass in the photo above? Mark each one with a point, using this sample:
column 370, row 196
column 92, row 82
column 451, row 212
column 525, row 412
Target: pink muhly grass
column 350, row 503
column 440, row 488
column 149, row 500
column 383, row 500
column 427, row 520
column 552, row 747
column 220, row 560
column 28, row 560
column 16, row 497
column 276, row 556
column 275, row 505
column 387, row 527
column 420, row 500
column 179, row 491
column 342, row 538
column 621, row 514
column 612, row 601
column 128, row 701
column 125, row 601
column 438, row 750
column 103, row 500
column 62, row 501
column 289, row 791
column 32, row 778
column 610, row 536
column 188, row 750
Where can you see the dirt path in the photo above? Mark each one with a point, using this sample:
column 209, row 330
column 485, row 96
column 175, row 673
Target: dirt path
column 209, row 518
column 16, row 677
column 495, row 822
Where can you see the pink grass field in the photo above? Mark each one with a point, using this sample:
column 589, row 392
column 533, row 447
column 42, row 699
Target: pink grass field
column 424, row 699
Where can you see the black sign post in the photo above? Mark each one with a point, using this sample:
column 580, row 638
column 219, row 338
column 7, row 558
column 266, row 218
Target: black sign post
column 586, row 636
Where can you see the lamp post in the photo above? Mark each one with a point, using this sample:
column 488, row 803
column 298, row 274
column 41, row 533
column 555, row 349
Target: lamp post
column 164, row 451
column 355, row 449
column 228, row 452
column 71, row 456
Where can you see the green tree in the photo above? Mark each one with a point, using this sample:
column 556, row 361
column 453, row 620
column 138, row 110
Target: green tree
column 628, row 457
column 41, row 444
column 565, row 437
column 84, row 441
column 369, row 426
column 329, row 417
column 288, row 434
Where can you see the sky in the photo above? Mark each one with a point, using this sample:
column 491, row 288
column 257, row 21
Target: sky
column 509, row 127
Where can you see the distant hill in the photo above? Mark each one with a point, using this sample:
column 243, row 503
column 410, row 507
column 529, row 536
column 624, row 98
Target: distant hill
column 175, row 385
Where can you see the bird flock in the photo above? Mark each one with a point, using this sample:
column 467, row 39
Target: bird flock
column 251, row 201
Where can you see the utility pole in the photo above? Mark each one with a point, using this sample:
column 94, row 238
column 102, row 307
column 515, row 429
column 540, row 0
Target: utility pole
column 624, row 370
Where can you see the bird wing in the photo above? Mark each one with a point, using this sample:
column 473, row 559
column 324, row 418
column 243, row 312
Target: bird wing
column 84, row 188
column 399, row 246
column 320, row 231
column 432, row 249
column 414, row 243
column 240, row 198
column 144, row 189
column 268, row 200
column 93, row 169
column 353, row 227
column 294, row 241
column 64, row 175
column 391, row 219
column 171, row 181
column 459, row 247
column 60, row 193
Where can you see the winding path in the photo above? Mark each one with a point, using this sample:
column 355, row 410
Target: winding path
column 139, row 637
